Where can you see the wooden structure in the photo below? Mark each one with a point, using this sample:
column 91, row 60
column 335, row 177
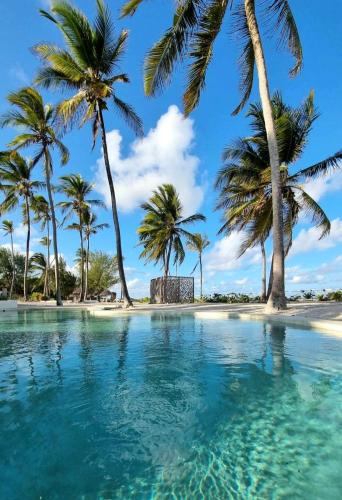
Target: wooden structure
column 172, row 290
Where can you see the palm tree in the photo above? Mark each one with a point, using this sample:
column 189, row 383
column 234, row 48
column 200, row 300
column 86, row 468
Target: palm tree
column 17, row 184
column 38, row 120
column 245, row 182
column 161, row 230
column 90, row 228
column 196, row 25
column 198, row 243
column 41, row 209
column 87, row 67
column 8, row 230
column 77, row 191
column 38, row 262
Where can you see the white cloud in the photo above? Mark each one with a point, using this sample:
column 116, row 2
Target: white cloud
column 223, row 255
column 164, row 155
column 317, row 188
column 308, row 239
column 242, row 281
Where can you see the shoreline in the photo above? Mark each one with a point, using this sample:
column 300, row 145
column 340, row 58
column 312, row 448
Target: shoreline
column 326, row 316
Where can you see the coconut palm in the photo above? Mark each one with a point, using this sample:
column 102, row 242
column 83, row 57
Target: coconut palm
column 161, row 231
column 77, row 192
column 244, row 182
column 8, row 230
column 41, row 210
column 198, row 243
column 39, row 263
column 38, row 120
column 17, row 185
column 196, row 25
column 90, row 228
column 87, row 67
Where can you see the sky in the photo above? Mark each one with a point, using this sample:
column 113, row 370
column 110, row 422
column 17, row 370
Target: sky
column 187, row 151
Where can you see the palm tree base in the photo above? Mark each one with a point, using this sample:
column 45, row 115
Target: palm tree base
column 275, row 304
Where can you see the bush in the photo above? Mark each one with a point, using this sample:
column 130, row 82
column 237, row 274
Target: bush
column 230, row 298
column 37, row 297
column 321, row 297
column 308, row 295
column 145, row 300
column 294, row 298
column 337, row 296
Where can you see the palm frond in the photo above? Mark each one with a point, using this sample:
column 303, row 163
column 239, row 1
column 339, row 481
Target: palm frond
column 209, row 26
column 129, row 115
column 161, row 59
column 289, row 34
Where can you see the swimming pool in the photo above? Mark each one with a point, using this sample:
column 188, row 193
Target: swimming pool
column 167, row 406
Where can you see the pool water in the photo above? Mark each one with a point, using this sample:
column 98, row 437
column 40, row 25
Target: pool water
column 167, row 406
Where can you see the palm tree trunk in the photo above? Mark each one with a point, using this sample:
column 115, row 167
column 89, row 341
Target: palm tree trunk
column 81, row 299
column 166, row 272
column 270, row 280
column 13, row 268
column 201, row 274
column 119, row 256
column 263, row 279
column 54, row 230
column 277, row 299
column 48, row 260
column 87, row 269
column 27, row 247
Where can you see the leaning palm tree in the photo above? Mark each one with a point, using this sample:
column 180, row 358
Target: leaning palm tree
column 77, row 192
column 198, row 243
column 90, row 228
column 38, row 121
column 161, row 231
column 196, row 25
column 87, row 67
column 17, row 185
column 41, row 210
column 8, row 230
column 244, row 182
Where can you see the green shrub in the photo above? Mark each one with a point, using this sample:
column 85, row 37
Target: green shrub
column 36, row 297
column 337, row 296
column 145, row 300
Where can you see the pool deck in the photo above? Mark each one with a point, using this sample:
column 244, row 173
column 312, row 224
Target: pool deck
column 325, row 316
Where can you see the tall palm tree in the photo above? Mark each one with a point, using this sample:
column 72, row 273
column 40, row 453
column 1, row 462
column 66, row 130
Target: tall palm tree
column 87, row 67
column 8, row 230
column 77, row 192
column 244, row 182
column 196, row 25
column 38, row 120
column 41, row 210
column 198, row 243
column 17, row 185
column 90, row 228
column 161, row 231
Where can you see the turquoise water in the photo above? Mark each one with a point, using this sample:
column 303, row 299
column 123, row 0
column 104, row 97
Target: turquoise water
column 167, row 406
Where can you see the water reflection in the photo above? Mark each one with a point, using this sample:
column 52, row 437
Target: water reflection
column 163, row 403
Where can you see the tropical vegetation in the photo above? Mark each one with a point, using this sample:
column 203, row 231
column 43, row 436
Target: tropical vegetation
column 161, row 231
column 244, row 182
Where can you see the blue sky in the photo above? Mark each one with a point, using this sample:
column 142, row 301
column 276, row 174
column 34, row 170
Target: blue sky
column 187, row 152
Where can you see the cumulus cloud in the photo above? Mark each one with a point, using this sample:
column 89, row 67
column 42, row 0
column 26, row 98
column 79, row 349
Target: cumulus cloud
column 317, row 188
column 162, row 156
column 242, row 281
column 308, row 239
column 224, row 254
